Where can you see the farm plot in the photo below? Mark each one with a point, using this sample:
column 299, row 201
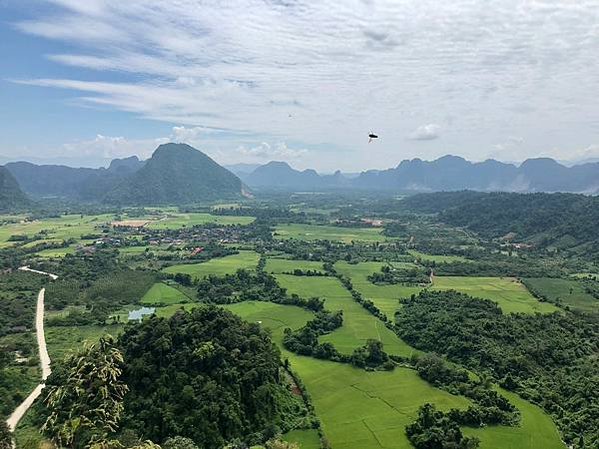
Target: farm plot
column 53, row 229
column 247, row 260
column 315, row 232
column 163, row 294
column 279, row 266
column 511, row 295
column 569, row 291
column 179, row 220
column 385, row 297
column 358, row 324
column 369, row 410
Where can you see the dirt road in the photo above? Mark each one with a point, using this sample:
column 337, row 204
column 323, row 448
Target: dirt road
column 20, row 411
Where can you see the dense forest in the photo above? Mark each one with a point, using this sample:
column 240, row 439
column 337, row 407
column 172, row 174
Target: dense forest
column 560, row 220
column 548, row 359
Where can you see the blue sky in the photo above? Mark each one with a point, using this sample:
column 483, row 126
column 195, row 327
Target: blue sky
column 258, row 80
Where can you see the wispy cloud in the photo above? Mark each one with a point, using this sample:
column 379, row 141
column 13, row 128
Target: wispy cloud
column 329, row 72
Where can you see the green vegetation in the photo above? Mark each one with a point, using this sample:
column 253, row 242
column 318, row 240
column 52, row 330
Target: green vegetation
column 548, row 359
column 358, row 325
column 437, row 258
column 335, row 233
column 11, row 196
column 163, row 294
column 510, row 294
column 288, row 266
column 570, row 292
column 246, row 260
column 179, row 220
column 385, row 297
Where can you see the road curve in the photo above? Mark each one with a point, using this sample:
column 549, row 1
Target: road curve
column 20, row 411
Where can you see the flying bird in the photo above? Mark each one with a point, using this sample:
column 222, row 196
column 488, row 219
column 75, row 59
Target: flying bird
column 372, row 136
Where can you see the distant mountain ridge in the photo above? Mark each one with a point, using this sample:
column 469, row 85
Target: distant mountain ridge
column 447, row 173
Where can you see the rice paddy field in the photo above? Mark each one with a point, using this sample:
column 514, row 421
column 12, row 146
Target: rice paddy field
column 568, row 291
column 279, row 266
column 385, row 297
column 219, row 267
column 55, row 229
column 510, row 294
column 369, row 410
column 163, row 294
column 358, row 324
column 334, row 233
column 179, row 220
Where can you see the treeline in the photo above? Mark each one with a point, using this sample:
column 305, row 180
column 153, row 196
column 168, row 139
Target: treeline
column 405, row 276
column 549, row 359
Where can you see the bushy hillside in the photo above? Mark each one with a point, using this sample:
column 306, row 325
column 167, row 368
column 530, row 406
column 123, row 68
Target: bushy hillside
column 176, row 174
column 11, row 196
column 561, row 219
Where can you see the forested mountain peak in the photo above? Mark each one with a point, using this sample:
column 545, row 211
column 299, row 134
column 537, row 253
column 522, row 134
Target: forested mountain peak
column 11, row 196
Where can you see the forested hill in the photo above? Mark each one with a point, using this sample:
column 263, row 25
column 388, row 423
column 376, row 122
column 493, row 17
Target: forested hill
column 559, row 219
column 11, row 196
column 176, row 174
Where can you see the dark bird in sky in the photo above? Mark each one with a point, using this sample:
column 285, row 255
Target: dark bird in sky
column 372, row 136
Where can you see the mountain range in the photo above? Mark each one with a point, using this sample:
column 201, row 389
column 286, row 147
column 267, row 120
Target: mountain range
column 11, row 196
column 444, row 174
column 180, row 174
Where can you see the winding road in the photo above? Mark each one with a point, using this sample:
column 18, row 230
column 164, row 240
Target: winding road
column 20, row 411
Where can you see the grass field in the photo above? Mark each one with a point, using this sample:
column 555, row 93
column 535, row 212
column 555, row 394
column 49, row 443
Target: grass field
column 511, row 295
column 437, row 258
column 56, row 252
column 287, row 265
column 359, row 325
column 62, row 340
column 163, row 294
column 385, row 297
column 569, row 291
column 57, row 229
column 305, row 438
column 369, row 410
column 224, row 265
column 178, row 220
column 335, row 233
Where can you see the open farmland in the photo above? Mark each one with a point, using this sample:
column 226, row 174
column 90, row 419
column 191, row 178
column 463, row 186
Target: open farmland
column 510, row 294
column 385, row 297
column 335, row 233
column 279, row 266
column 369, row 410
column 53, row 229
column 569, row 291
column 224, row 265
column 179, row 220
column 163, row 294
column 358, row 324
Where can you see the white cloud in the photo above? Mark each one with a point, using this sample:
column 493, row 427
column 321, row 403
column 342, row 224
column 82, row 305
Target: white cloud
column 326, row 73
column 425, row 132
column 111, row 147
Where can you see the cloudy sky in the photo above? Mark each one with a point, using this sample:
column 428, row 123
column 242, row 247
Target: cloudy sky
column 301, row 81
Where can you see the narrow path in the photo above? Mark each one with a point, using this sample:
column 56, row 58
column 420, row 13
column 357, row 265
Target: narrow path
column 20, row 411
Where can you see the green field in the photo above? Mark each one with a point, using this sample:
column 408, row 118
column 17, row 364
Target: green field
column 179, row 220
column 305, row 438
column 56, row 229
column 437, row 258
column 163, row 294
column 369, row 410
column 359, row 325
column 385, row 297
column 224, row 265
column 511, row 295
column 568, row 291
column 56, row 252
column 287, row 265
column 335, row 233
column 62, row 340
